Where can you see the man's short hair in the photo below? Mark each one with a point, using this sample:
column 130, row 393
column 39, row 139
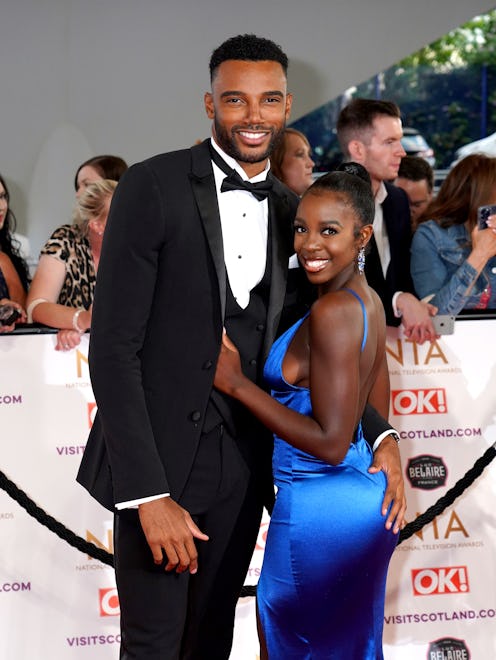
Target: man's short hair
column 355, row 121
column 250, row 48
column 415, row 168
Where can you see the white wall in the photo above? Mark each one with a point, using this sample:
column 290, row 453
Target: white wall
column 128, row 76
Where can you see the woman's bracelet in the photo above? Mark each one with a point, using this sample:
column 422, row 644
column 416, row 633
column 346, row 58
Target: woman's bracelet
column 32, row 305
column 75, row 319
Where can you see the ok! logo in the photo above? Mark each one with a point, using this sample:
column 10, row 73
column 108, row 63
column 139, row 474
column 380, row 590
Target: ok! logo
column 109, row 602
column 419, row 402
column 437, row 581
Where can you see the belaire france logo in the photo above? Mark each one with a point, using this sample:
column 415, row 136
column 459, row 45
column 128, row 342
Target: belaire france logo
column 448, row 648
column 426, row 472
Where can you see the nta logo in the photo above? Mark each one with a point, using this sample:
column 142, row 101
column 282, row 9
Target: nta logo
column 435, row 581
column 419, row 402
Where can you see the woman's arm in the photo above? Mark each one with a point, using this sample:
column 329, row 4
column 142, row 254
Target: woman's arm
column 483, row 247
column 16, row 290
column 43, row 295
column 430, row 275
column 335, row 338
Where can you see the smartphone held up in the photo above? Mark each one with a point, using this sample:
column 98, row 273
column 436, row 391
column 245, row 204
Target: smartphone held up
column 483, row 213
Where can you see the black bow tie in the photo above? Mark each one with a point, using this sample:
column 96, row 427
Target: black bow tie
column 233, row 180
column 259, row 190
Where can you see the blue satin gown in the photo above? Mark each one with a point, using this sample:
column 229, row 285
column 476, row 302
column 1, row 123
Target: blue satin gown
column 322, row 586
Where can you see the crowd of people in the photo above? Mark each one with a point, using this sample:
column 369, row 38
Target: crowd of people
column 182, row 453
column 60, row 294
column 427, row 255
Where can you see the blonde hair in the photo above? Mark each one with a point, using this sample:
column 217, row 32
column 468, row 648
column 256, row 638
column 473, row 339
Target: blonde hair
column 91, row 203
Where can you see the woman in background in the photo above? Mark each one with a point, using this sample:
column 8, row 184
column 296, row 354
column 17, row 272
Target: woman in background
column 291, row 161
column 61, row 294
column 98, row 168
column 12, row 294
column 14, row 273
column 8, row 243
column 453, row 262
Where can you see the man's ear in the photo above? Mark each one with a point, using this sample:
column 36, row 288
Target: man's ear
column 208, row 100
column 289, row 103
column 356, row 149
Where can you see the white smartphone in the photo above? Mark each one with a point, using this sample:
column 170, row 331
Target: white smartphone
column 444, row 324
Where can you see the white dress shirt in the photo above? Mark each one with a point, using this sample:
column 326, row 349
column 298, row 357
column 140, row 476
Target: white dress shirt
column 244, row 222
column 380, row 231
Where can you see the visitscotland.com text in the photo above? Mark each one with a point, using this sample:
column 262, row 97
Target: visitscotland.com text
column 429, row 617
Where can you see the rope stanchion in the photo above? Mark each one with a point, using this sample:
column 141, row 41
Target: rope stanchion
column 450, row 496
column 52, row 524
column 248, row 590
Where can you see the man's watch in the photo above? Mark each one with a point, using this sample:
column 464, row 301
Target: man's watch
column 394, row 435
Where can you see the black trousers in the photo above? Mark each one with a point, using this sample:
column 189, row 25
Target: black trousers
column 169, row 616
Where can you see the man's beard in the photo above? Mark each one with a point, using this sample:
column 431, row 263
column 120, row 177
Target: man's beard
column 227, row 143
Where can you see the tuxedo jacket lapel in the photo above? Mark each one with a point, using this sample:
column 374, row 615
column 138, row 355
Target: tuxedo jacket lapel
column 204, row 191
column 281, row 218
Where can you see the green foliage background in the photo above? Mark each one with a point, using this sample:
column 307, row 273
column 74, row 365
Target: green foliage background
column 446, row 90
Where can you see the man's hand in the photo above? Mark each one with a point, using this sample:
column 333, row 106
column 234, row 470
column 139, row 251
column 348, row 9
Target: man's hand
column 416, row 318
column 168, row 527
column 387, row 458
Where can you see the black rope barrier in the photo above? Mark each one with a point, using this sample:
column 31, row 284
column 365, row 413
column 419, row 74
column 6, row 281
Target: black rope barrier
column 248, row 590
column 450, row 496
column 52, row 524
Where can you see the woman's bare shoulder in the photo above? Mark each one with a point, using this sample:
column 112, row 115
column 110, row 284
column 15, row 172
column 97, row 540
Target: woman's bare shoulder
column 336, row 317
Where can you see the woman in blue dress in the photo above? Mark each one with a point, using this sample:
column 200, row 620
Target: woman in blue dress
column 322, row 585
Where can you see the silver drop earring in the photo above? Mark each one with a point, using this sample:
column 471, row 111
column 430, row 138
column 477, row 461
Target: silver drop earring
column 361, row 260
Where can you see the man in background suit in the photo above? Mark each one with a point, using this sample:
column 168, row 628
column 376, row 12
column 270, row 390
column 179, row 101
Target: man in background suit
column 369, row 132
column 416, row 178
column 185, row 469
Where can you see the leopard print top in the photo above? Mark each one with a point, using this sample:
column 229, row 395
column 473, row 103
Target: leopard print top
column 69, row 245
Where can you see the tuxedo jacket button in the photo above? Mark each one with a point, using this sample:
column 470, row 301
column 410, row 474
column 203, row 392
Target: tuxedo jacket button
column 195, row 416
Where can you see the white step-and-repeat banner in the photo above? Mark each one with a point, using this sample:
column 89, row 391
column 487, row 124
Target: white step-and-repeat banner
column 58, row 603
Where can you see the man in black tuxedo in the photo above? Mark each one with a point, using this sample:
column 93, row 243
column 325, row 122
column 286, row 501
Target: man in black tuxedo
column 188, row 251
column 369, row 132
